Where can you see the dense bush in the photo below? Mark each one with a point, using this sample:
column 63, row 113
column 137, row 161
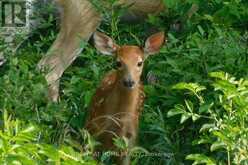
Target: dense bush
column 196, row 108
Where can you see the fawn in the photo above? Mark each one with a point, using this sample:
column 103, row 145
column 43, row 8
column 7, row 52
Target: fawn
column 116, row 105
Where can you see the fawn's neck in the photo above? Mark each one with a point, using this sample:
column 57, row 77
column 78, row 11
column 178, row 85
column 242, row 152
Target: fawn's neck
column 126, row 99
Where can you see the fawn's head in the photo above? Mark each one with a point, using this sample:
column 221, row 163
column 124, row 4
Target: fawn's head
column 129, row 59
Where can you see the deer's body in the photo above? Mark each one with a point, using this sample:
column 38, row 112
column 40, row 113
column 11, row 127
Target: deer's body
column 115, row 111
column 116, row 105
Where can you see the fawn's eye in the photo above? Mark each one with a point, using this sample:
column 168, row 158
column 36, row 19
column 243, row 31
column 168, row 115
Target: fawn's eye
column 118, row 64
column 140, row 64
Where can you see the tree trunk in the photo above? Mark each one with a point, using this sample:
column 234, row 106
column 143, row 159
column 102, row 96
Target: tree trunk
column 79, row 19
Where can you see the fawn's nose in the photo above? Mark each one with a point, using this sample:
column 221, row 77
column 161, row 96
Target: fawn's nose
column 128, row 83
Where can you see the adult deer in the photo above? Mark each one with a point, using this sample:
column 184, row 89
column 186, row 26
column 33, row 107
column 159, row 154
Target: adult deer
column 79, row 20
column 116, row 105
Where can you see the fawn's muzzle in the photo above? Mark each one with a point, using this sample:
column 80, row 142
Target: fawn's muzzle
column 128, row 83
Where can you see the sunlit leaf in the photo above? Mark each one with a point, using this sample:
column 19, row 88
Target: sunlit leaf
column 217, row 145
column 179, row 109
column 201, row 159
column 184, row 117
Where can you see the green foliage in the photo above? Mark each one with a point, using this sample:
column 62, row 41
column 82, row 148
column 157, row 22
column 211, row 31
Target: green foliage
column 226, row 130
column 20, row 143
column 196, row 104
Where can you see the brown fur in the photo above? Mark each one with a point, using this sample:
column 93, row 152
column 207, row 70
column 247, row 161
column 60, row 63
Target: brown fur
column 115, row 110
column 112, row 107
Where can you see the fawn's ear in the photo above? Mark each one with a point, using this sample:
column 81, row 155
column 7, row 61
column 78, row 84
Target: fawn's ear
column 154, row 43
column 104, row 43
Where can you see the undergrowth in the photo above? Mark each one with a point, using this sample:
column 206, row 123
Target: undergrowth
column 196, row 108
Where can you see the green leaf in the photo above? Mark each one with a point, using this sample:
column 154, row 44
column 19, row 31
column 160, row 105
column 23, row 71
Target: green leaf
column 220, row 135
column 219, row 75
column 201, row 141
column 50, row 152
column 67, row 153
column 205, row 107
column 200, row 30
column 208, row 17
column 179, row 109
column 172, row 38
column 193, row 87
column 184, row 117
column 87, row 98
column 206, row 127
column 201, row 159
column 189, row 105
column 29, row 129
column 195, row 117
column 1, row 144
column 19, row 159
column 217, row 145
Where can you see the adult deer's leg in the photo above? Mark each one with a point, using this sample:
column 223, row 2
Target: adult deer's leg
column 79, row 20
